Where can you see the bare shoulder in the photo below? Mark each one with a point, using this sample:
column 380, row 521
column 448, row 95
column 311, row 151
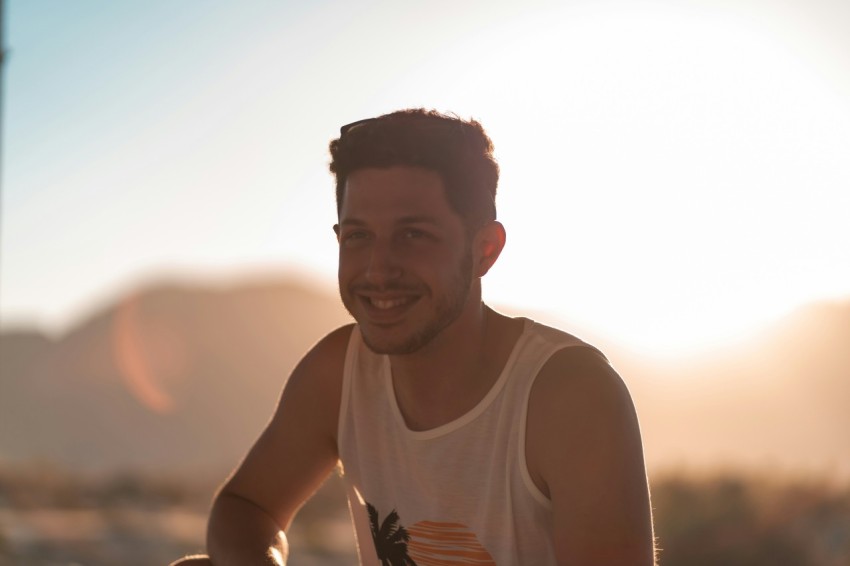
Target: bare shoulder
column 313, row 392
column 579, row 406
column 579, row 379
column 322, row 366
column 297, row 449
column 584, row 452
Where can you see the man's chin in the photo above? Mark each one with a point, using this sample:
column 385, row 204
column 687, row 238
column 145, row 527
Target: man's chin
column 392, row 345
column 383, row 347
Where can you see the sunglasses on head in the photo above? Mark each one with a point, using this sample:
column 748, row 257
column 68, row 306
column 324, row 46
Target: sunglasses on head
column 348, row 127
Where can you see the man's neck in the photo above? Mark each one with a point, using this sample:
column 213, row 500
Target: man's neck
column 452, row 373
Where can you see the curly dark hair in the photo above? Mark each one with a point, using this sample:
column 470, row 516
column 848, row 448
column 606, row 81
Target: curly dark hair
column 459, row 150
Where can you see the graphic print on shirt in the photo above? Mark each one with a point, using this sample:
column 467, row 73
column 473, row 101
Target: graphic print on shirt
column 390, row 538
column 426, row 543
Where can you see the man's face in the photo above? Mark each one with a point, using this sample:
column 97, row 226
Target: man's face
column 405, row 265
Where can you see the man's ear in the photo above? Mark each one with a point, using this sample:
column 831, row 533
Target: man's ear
column 489, row 242
column 336, row 231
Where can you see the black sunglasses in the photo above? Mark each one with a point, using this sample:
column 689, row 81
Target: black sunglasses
column 351, row 126
column 348, row 127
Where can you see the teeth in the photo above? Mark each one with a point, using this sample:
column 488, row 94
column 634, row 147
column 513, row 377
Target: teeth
column 385, row 304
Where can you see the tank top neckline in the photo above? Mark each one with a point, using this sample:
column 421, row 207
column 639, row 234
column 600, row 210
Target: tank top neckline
column 470, row 415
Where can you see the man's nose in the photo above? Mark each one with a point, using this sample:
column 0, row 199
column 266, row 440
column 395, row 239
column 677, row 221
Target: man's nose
column 383, row 264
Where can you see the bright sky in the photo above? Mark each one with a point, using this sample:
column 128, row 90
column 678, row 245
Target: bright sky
column 675, row 172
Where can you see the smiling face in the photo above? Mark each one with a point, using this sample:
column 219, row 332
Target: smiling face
column 405, row 262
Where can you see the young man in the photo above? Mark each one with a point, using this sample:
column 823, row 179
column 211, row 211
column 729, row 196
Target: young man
column 464, row 436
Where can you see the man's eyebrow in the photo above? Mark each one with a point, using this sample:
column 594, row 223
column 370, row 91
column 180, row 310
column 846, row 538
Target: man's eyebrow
column 418, row 219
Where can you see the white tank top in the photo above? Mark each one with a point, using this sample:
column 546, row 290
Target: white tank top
column 460, row 493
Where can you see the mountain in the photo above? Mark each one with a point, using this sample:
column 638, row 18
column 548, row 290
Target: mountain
column 776, row 402
column 171, row 378
column 180, row 379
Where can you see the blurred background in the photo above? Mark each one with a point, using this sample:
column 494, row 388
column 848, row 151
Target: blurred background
column 675, row 186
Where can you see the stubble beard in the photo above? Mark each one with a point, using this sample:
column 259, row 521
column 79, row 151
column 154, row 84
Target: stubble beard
column 448, row 309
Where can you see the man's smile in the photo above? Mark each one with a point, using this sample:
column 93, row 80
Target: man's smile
column 386, row 304
column 382, row 305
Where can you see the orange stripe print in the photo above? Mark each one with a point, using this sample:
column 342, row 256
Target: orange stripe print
column 446, row 544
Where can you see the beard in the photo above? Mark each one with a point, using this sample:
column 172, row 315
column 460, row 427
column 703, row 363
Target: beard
column 447, row 308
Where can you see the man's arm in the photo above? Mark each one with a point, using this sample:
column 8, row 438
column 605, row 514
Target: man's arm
column 584, row 451
column 287, row 464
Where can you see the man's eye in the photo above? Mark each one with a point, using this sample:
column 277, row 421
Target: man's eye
column 353, row 237
column 413, row 234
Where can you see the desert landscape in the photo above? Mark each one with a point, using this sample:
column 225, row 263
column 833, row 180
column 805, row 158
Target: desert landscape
column 116, row 433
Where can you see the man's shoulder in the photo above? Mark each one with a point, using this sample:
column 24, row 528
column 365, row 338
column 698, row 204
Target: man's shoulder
column 569, row 363
column 313, row 390
column 562, row 346
column 334, row 342
column 326, row 359
column 576, row 388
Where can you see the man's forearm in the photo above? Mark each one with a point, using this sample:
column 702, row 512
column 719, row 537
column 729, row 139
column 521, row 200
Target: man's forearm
column 240, row 533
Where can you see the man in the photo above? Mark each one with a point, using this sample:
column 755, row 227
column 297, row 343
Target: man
column 464, row 436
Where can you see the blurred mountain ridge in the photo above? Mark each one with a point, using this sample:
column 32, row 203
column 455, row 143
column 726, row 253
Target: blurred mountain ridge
column 214, row 359
column 180, row 378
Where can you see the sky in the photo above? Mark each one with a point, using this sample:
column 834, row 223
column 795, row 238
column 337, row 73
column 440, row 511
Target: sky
column 674, row 172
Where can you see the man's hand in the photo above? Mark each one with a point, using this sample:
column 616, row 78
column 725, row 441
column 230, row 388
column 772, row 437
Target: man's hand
column 242, row 533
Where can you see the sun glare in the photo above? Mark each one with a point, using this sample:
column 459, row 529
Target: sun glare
column 671, row 179
column 146, row 361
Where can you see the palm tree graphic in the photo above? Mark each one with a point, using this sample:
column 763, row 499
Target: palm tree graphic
column 390, row 538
